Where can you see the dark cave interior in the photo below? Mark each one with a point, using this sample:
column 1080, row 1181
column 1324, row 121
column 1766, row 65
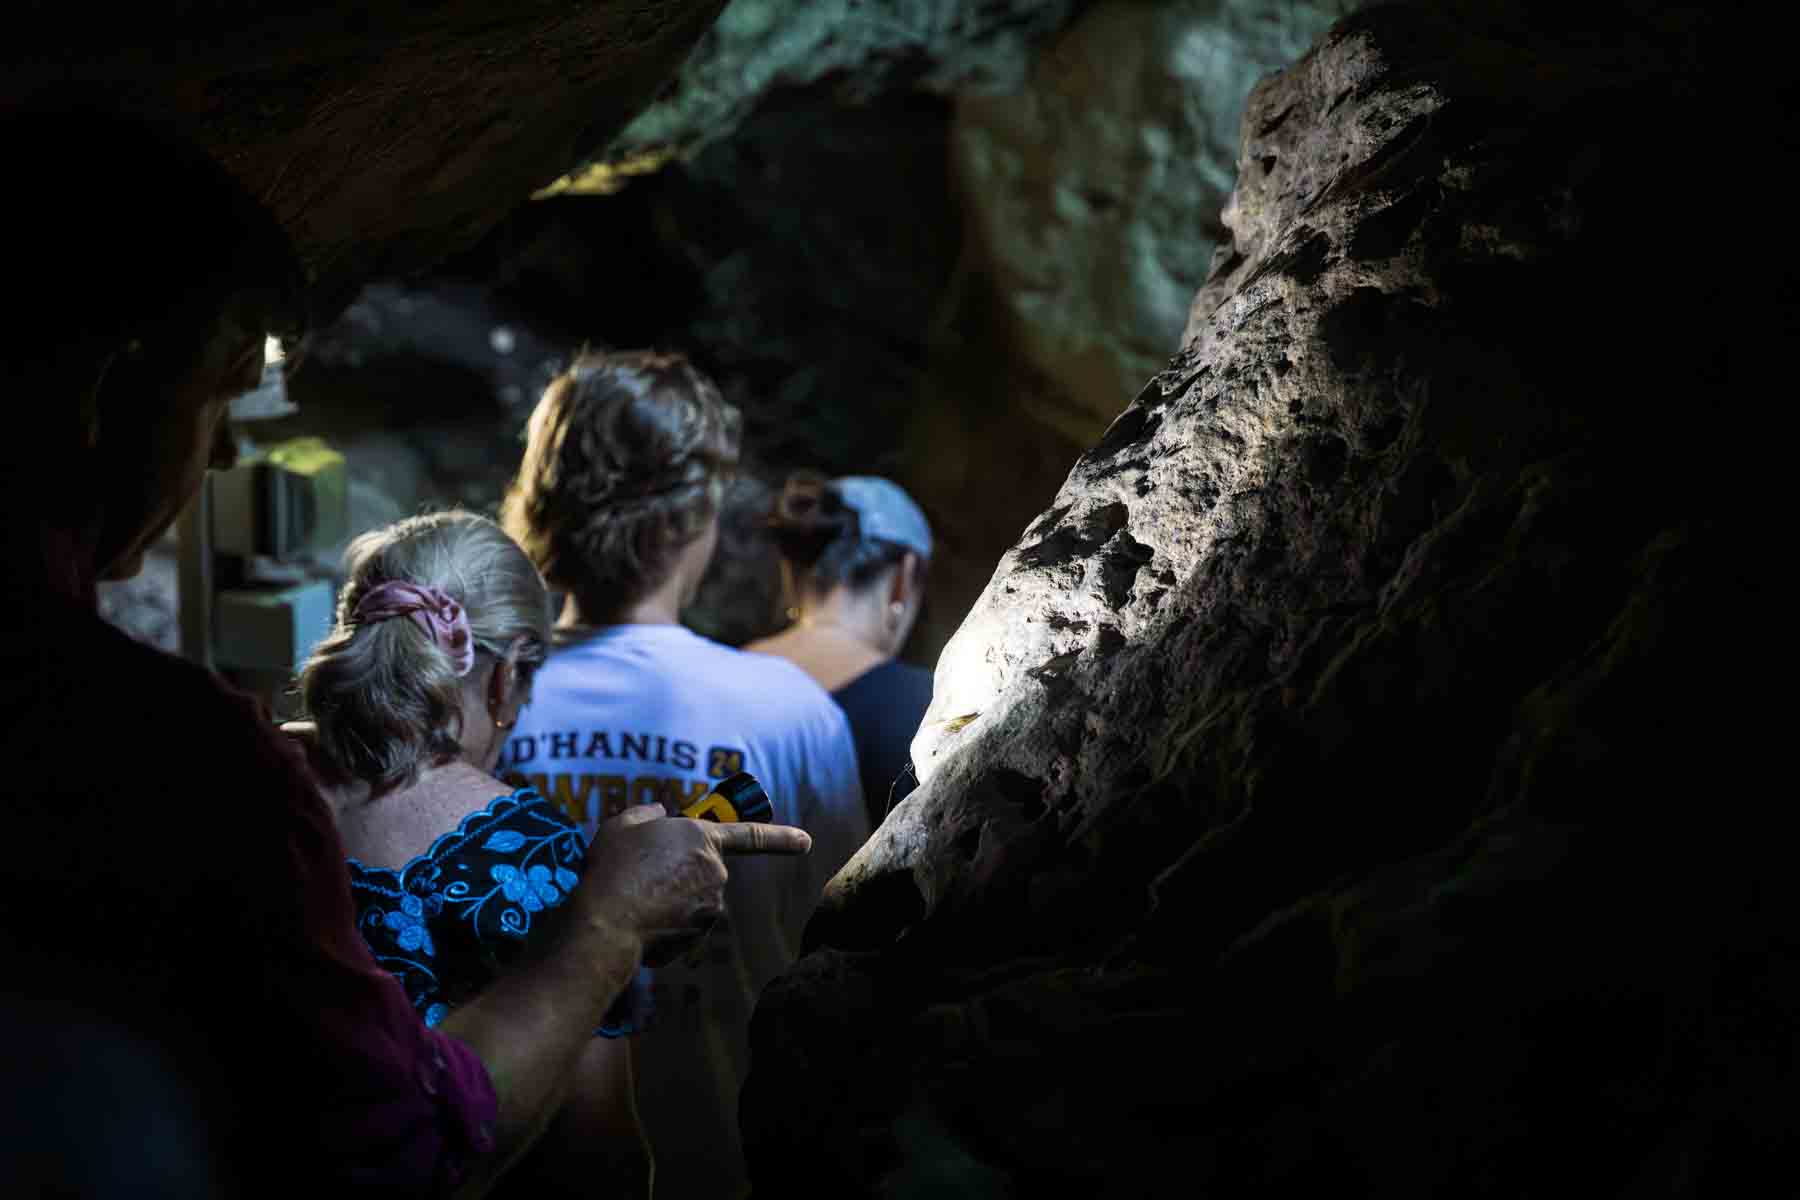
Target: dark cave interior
column 1348, row 433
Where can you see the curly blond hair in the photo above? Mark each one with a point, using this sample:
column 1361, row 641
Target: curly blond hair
column 625, row 463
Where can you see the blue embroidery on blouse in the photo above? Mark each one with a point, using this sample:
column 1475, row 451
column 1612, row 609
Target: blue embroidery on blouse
column 452, row 919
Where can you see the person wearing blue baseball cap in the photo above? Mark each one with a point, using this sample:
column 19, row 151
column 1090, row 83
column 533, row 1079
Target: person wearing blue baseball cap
column 855, row 552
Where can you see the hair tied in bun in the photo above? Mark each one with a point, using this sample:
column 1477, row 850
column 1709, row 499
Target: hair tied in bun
column 802, row 498
column 809, row 516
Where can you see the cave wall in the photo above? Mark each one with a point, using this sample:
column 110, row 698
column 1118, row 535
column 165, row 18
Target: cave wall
column 1354, row 781
column 1093, row 190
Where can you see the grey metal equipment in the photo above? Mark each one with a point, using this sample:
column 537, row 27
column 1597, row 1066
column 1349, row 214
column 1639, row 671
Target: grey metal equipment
column 251, row 601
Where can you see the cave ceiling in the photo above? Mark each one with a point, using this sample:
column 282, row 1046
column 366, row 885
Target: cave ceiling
column 387, row 136
column 384, row 135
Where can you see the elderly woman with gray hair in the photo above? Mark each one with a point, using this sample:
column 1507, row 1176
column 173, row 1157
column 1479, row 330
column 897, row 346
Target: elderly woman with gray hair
column 455, row 877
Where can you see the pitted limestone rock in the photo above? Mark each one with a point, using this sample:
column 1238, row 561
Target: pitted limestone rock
column 1335, row 786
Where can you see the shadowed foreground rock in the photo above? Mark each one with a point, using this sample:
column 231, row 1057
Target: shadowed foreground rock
column 1359, row 779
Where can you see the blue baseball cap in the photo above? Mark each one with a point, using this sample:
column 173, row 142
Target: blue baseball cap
column 885, row 512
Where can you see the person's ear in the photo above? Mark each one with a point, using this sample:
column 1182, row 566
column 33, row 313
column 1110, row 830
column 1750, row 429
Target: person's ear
column 506, row 686
column 788, row 600
column 503, row 681
column 499, row 688
column 905, row 584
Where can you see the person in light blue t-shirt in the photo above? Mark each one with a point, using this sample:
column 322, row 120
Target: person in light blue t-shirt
column 617, row 502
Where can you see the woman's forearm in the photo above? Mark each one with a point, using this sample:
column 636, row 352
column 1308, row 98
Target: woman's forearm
column 648, row 877
column 596, row 1145
column 530, row 1027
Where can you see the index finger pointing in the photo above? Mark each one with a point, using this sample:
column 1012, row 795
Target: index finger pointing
column 743, row 837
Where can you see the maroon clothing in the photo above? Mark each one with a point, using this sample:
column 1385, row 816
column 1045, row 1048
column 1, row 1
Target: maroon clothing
column 171, row 869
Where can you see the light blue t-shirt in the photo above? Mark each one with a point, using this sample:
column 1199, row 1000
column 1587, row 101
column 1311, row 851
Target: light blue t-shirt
column 639, row 714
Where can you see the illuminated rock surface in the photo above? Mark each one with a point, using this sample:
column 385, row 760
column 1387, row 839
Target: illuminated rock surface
column 1352, row 784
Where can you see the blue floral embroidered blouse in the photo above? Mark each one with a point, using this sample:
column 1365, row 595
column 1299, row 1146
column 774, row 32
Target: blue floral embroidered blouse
column 481, row 899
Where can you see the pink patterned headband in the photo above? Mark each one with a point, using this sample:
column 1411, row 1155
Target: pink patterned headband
column 430, row 608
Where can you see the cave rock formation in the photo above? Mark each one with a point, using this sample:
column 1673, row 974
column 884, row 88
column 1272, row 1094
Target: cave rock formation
column 1353, row 780
column 384, row 134
column 1092, row 190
